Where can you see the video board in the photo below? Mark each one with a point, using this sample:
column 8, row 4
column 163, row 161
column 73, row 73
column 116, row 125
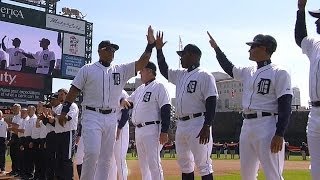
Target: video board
column 40, row 43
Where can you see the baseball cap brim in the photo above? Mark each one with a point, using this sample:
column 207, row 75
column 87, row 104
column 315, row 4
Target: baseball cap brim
column 252, row 42
column 180, row 53
column 315, row 13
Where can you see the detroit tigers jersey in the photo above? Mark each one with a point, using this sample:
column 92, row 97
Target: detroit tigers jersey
column 264, row 86
column 44, row 57
column 147, row 102
column 192, row 90
column 311, row 47
column 102, row 86
column 3, row 128
column 70, row 125
column 14, row 56
column 29, row 125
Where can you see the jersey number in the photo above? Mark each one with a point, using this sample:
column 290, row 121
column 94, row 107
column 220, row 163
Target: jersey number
column 192, row 87
column 264, row 86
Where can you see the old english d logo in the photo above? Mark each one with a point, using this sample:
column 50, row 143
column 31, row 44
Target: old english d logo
column 116, row 78
column 264, row 86
column 146, row 97
column 192, row 86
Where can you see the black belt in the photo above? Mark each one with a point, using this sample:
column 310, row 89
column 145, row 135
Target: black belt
column 255, row 115
column 185, row 118
column 15, row 64
column 43, row 66
column 108, row 111
column 315, row 103
column 147, row 123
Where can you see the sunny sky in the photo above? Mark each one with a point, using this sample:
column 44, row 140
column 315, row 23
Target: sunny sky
column 231, row 23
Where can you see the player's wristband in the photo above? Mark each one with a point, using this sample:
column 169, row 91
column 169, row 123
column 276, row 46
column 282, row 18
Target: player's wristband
column 66, row 107
column 150, row 47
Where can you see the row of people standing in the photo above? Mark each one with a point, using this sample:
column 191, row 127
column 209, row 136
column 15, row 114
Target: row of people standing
column 41, row 147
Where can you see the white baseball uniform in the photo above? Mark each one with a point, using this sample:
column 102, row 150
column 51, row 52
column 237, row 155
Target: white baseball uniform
column 44, row 57
column 15, row 58
column 147, row 102
column 311, row 47
column 192, row 90
column 263, row 87
column 119, row 168
column 65, row 136
column 101, row 87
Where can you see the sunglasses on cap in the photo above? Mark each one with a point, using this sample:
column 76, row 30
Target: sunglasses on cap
column 109, row 49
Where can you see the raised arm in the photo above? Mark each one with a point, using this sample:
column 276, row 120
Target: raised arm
column 163, row 66
column 300, row 30
column 3, row 45
column 145, row 57
column 226, row 65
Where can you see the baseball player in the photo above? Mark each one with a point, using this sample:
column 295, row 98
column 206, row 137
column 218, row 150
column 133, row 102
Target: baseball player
column 3, row 60
column 196, row 95
column 14, row 141
column 46, row 58
column 29, row 124
column 310, row 47
column 3, row 143
column 118, row 162
column 16, row 60
column 38, row 135
column 151, row 117
column 65, row 137
column 266, row 104
column 22, row 142
column 101, row 84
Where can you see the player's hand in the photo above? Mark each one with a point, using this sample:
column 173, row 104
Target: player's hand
column 62, row 119
column 159, row 40
column 150, row 36
column 204, row 135
column 125, row 104
column 212, row 41
column 302, row 4
column 164, row 137
column 77, row 139
column 276, row 144
column 118, row 134
column 30, row 145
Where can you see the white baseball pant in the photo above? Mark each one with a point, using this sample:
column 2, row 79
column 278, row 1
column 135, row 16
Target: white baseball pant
column 149, row 147
column 313, row 136
column 189, row 151
column 119, row 166
column 255, row 139
column 98, row 132
column 78, row 157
